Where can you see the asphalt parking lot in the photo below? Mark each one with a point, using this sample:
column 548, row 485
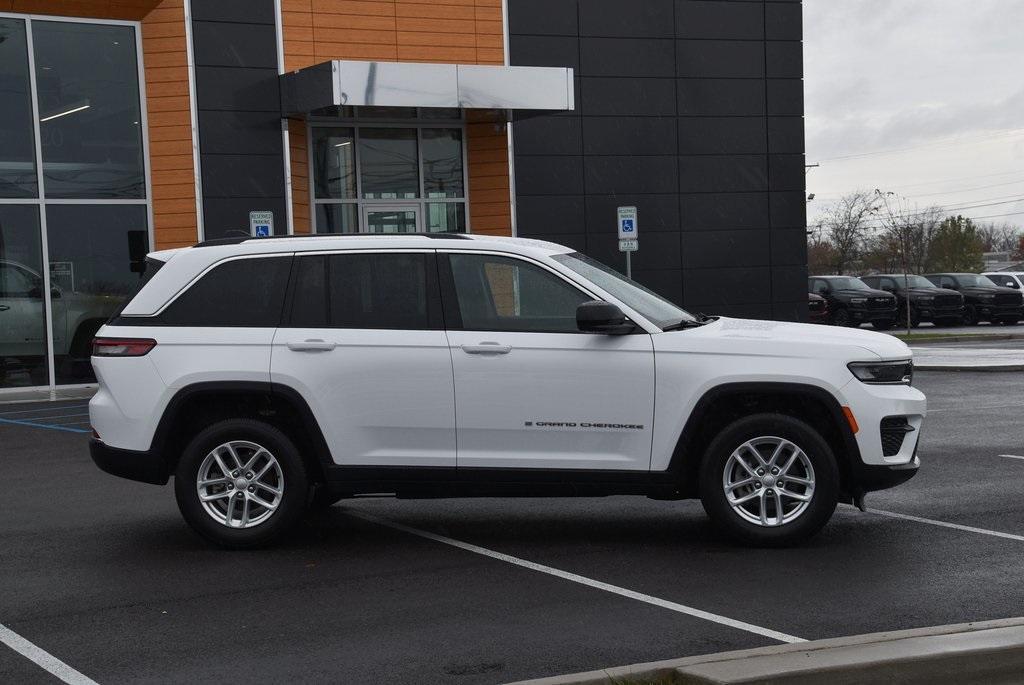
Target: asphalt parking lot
column 103, row 575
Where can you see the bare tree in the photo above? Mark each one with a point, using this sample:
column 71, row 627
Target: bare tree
column 999, row 237
column 845, row 226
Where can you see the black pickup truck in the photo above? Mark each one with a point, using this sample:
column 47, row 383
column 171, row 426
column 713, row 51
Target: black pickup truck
column 852, row 302
column 983, row 299
column 927, row 302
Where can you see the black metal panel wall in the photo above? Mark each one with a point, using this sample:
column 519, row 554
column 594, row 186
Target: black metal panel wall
column 691, row 110
column 239, row 111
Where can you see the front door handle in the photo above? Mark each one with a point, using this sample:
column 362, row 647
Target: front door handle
column 4, row 307
column 311, row 346
column 487, row 348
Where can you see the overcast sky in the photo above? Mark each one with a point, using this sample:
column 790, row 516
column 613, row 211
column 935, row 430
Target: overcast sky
column 944, row 78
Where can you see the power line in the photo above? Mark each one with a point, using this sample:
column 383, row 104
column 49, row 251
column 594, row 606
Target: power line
column 968, row 190
column 939, row 143
column 961, row 178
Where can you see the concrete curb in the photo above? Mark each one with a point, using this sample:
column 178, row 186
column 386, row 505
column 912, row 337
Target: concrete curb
column 967, row 367
column 982, row 652
column 969, row 337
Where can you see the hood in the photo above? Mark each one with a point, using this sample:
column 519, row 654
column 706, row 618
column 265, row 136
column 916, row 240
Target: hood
column 931, row 292
column 860, row 292
column 975, row 290
column 785, row 339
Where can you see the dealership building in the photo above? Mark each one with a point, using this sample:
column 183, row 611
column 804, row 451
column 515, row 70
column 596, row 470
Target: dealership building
column 133, row 125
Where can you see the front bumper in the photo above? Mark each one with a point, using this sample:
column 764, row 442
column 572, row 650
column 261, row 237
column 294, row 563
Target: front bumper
column 863, row 314
column 930, row 313
column 145, row 467
column 992, row 311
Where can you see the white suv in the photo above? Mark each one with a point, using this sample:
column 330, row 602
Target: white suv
column 271, row 375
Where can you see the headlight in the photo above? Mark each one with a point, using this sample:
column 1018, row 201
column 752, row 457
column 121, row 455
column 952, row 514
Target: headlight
column 926, row 300
column 883, row 373
column 858, row 300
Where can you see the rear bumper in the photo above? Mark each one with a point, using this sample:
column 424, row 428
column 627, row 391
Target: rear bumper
column 145, row 467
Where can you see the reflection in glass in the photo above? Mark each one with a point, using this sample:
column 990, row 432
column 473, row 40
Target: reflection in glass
column 340, row 218
column 388, row 163
column 89, row 114
column 334, row 163
column 391, row 221
column 17, row 154
column 446, row 217
column 97, row 254
column 442, row 162
column 22, row 307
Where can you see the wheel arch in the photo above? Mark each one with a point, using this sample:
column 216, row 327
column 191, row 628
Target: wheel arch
column 724, row 404
column 199, row 405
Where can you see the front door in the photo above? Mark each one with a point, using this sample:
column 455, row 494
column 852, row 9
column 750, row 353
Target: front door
column 391, row 219
column 365, row 345
column 531, row 390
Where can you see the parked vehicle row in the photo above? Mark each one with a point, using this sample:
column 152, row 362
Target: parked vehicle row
column 946, row 299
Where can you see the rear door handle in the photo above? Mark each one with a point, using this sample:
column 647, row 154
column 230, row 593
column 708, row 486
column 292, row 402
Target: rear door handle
column 487, row 348
column 311, row 346
column 4, row 307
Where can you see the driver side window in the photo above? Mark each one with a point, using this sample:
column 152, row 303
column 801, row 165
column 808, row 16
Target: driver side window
column 15, row 282
column 504, row 294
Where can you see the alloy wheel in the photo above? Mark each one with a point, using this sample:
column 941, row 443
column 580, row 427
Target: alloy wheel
column 768, row 481
column 240, row 484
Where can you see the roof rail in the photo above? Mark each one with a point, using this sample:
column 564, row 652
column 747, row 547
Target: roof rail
column 235, row 240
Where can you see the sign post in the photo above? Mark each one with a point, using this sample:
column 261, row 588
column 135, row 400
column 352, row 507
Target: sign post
column 628, row 232
column 261, row 224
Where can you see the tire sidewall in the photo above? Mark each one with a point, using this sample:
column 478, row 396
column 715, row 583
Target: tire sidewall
column 296, row 484
column 826, row 473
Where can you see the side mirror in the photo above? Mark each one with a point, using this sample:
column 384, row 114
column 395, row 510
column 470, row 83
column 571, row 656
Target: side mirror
column 602, row 317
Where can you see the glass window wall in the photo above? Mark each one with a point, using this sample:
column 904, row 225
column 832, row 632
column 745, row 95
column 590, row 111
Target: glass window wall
column 74, row 226
column 404, row 176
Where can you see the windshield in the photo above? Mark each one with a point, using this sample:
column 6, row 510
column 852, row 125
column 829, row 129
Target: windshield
column 848, row 284
column 973, row 281
column 654, row 308
column 914, row 281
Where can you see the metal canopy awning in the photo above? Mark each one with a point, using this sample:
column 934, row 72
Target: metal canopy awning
column 409, row 84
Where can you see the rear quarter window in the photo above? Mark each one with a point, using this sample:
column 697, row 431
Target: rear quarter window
column 246, row 292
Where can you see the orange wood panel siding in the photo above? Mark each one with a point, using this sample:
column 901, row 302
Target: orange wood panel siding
column 170, row 121
column 448, row 31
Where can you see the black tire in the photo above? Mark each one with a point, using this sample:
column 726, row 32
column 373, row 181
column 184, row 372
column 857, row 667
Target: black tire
column 970, row 315
column 293, row 498
column 1009, row 321
column 841, row 317
column 883, row 325
column 824, row 498
column 915, row 318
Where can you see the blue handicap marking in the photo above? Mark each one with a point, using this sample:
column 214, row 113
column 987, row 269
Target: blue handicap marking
column 262, row 231
column 627, row 225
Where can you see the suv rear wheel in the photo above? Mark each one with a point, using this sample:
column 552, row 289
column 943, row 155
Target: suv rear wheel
column 769, row 480
column 241, row 483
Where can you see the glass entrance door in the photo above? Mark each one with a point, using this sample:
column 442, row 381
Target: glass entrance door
column 391, row 218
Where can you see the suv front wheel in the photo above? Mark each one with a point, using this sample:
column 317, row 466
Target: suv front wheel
column 241, row 483
column 769, row 480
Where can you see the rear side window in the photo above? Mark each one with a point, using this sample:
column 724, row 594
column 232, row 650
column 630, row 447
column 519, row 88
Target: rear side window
column 245, row 293
column 365, row 290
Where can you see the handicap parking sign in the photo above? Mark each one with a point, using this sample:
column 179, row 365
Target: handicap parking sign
column 261, row 224
column 628, row 224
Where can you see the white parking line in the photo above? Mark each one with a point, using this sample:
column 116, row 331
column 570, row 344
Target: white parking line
column 975, row 408
column 42, row 658
column 944, row 524
column 1011, row 456
column 582, row 580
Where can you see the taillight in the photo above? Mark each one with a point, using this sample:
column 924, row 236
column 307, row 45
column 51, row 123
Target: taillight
column 122, row 347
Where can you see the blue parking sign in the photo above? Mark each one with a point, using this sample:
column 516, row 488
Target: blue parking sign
column 262, row 231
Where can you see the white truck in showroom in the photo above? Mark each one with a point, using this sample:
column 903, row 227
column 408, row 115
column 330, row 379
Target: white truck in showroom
column 273, row 375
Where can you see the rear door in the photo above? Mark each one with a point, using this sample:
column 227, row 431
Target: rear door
column 364, row 343
column 532, row 391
